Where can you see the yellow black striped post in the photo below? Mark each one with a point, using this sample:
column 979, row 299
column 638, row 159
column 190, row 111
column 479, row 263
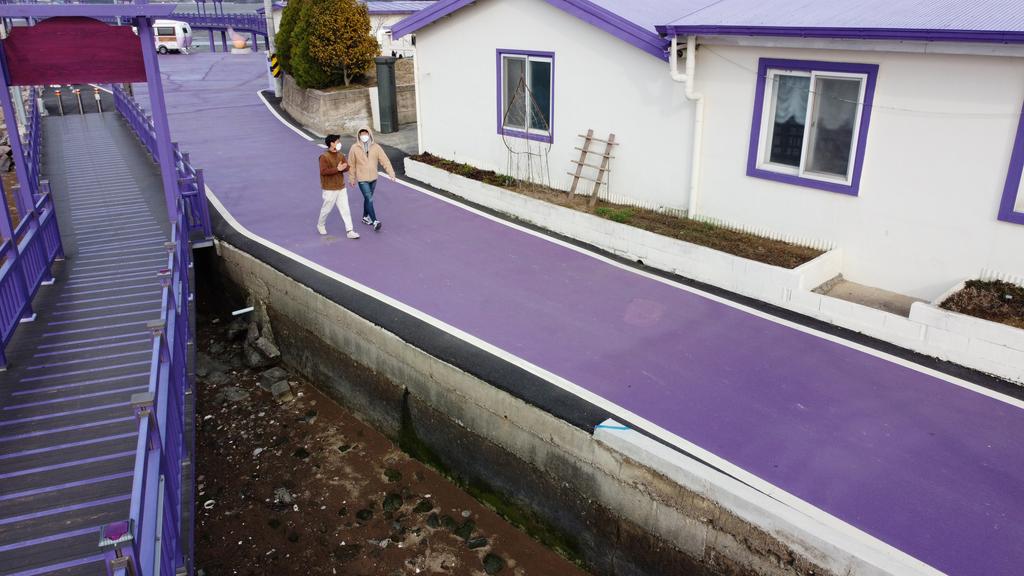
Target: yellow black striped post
column 275, row 66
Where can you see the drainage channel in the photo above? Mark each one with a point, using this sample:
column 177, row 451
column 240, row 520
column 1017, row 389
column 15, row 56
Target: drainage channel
column 290, row 482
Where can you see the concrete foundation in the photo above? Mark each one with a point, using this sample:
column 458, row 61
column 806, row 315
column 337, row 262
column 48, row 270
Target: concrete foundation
column 341, row 111
column 578, row 494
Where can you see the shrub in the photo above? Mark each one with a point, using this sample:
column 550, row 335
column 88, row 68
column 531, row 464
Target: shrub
column 330, row 43
column 283, row 40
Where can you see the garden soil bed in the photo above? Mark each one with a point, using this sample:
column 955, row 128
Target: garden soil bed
column 304, row 488
column 990, row 300
column 742, row 244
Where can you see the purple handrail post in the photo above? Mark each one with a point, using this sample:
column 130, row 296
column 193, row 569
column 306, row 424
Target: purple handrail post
column 224, row 39
column 162, row 130
column 26, row 186
column 44, row 189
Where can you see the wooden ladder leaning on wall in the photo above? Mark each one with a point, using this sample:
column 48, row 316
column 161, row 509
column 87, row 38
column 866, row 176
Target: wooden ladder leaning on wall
column 602, row 168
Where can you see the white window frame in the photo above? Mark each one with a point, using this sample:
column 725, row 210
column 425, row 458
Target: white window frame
column 526, row 58
column 768, row 121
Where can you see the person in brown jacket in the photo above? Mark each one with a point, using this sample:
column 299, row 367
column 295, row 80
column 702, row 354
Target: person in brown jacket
column 333, row 166
column 365, row 156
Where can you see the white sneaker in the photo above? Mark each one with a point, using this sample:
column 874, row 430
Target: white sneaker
column 376, row 225
column 322, row 230
column 352, row 235
column 367, row 221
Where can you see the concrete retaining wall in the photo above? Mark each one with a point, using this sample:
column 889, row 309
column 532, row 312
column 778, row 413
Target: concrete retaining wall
column 622, row 505
column 342, row 111
column 978, row 344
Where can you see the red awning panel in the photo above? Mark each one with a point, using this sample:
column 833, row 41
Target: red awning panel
column 73, row 50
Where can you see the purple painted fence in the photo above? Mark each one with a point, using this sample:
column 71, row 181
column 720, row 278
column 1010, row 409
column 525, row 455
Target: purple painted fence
column 26, row 264
column 151, row 541
column 191, row 185
column 33, row 144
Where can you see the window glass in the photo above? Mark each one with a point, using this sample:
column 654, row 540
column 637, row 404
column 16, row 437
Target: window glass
column 788, row 115
column 540, row 87
column 514, row 84
column 165, row 31
column 830, row 149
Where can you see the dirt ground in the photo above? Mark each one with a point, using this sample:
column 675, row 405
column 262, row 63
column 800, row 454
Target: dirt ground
column 996, row 301
column 774, row 252
column 298, row 486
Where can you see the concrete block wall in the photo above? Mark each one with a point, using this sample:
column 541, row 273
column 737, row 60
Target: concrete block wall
column 340, row 111
column 986, row 346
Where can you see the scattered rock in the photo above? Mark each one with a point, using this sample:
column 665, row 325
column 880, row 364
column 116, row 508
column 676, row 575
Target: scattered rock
column 231, row 394
column 272, row 376
column 433, row 521
column 423, row 507
column 448, row 522
column 237, row 329
column 282, row 392
column 493, row 564
column 309, row 417
column 344, row 448
column 466, row 513
column 252, row 333
column 217, row 348
column 465, row 530
column 475, row 543
column 392, row 502
column 301, row 453
column 267, row 348
column 364, row 515
column 255, row 359
column 207, row 365
column 218, row 379
column 392, row 475
column 343, row 511
column 283, row 496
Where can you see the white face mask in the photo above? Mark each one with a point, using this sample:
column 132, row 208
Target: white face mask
column 365, row 138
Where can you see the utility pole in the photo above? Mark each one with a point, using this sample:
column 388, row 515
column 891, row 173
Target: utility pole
column 268, row 12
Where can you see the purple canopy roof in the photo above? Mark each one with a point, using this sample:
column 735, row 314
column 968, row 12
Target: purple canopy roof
column 380, row 6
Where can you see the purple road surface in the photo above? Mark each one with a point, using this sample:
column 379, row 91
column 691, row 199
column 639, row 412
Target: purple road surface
column 931, row 468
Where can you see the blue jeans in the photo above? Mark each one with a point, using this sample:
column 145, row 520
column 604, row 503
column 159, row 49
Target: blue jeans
column 367, row 189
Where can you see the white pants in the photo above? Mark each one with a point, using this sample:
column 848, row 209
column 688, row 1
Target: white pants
column 337, row 198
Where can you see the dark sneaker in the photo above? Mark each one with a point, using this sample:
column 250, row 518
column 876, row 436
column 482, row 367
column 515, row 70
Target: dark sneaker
column 376, row 226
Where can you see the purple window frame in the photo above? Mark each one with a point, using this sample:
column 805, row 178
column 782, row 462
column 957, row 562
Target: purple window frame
column 515, row 132
column 1007, row 207
column 871, row 73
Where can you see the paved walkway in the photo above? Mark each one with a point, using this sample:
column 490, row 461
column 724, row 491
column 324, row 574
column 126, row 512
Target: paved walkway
column 67, row 432
column 930, row 467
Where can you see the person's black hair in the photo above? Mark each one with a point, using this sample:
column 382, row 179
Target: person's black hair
column 331, row 139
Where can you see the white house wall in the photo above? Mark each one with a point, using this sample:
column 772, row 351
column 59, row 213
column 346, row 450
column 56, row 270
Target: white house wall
column 380, row 21
column 600, row 82
column 941, row 134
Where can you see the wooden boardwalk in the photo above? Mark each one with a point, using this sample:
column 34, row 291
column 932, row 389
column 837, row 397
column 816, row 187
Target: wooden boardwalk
column 67, row 433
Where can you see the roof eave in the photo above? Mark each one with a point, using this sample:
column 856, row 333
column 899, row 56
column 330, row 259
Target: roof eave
column 917, row 35
column 638, row 36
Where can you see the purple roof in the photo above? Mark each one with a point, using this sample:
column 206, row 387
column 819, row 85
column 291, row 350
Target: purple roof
column 399, row 7
column 950, row 20
column 644, row 23
column 631, row 20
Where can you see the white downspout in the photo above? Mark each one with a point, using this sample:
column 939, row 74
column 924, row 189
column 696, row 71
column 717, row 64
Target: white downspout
column 698, row 114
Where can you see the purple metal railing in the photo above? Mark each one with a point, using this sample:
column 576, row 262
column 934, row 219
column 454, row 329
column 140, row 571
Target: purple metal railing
column 191, row 184
column 238, row 22
column 33, row 144
column 151, row 542
column 26, row 264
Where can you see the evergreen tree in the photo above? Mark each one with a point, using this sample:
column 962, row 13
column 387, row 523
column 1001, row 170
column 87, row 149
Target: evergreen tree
column 340, row 41
column 283, row 38
column 307, row 72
